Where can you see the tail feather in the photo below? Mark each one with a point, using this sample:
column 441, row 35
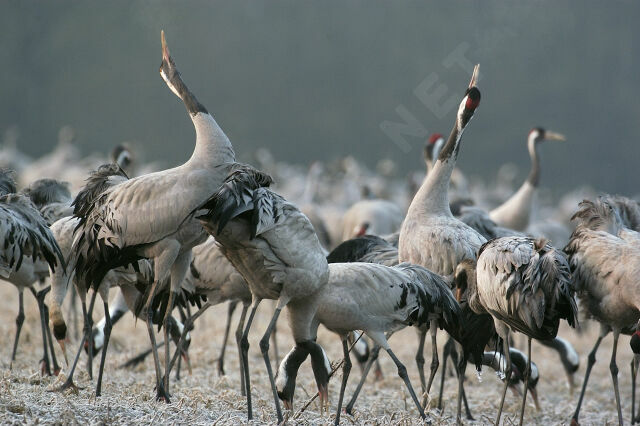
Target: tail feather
column 240, row 193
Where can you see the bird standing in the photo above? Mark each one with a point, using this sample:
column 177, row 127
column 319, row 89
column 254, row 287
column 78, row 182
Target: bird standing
column 525, row 285
column 151, row 216
column 430, row 235
column 605, row 262
column 515, row 212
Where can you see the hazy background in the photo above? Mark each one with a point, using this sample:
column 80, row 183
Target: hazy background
column 315, row 80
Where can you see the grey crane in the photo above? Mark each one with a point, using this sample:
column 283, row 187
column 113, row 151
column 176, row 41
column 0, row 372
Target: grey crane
column 525, row 285
column 28, row 250
column 273, row 245
column 430, row 235
column 151, row 216
column 376, row 299
column 515, row 212
column 604, row 257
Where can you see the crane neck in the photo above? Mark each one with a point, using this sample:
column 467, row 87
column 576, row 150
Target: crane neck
column 213, row 147
column 433, row 195
column 534, row 174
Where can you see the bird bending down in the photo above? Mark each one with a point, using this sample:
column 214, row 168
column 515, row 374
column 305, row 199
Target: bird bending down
column 151, row 216
column 524, row 284
column 604, row 257
column 274, row 247
column 515, row 212
column 375, row 299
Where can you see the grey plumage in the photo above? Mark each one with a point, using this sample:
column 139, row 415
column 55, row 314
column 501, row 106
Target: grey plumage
column 604, row 257
column 275, row 248
column 525, row 283
column 24, row 233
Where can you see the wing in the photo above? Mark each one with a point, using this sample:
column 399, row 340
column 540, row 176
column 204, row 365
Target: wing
column 526, row 283
column 24, row 233
column 240, row 193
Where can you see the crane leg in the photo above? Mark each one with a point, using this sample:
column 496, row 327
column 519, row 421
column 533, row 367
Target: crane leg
column 274, row 342
column 243, row 316
column 56, row 367
column 232, row 308
column 68, row 384
column 187, row 326
column 420, row 362
column 614, row 374
column 89, row 324
column 346, row 369
column 373, row 357
column 435, row 363
column 527, row 374
column 19, row 322
column 508, row 372
column 107, row 335
column 634, row 374
column 590, row 361
column 461, row 368
column 167, row 356
column 445, row 356
column 264, row 348
column 161, row 395
column 45, row 366
column 244, row 346
column 402, row 372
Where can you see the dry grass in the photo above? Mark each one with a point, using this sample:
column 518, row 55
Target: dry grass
column 206, row 398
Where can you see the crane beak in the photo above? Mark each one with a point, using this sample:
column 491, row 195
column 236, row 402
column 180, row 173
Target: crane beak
column 288, row 405
column 534, row 395
column 323, row 391
column 474, row 76
column 64, row 350
column 553, row 136
column 165, row 48
column 572, row 385
column 458, row 294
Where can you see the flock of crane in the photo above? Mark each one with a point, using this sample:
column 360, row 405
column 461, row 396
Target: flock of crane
column 211, row 231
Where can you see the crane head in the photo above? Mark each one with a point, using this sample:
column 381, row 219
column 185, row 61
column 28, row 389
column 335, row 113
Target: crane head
column 433, row 146
column 470, row 101
column 539, row 134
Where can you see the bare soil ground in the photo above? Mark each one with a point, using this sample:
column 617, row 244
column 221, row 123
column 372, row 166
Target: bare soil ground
column 207, row 398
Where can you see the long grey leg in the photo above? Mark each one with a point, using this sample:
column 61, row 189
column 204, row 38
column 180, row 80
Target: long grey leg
column 445, row 356
column 420, row 359
column 402, row 372
column 527, row 374
column 243, row 316
column 244, row 346
column 461, row 369
column 434, row 356
column 19, row 322
column 107, row 335
column 508, row 371
column 346, row 369
column 373, row 356
column 614, row 374
column 264, row 348
column 232, row 308
column 590, row 361
column 160, row 392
